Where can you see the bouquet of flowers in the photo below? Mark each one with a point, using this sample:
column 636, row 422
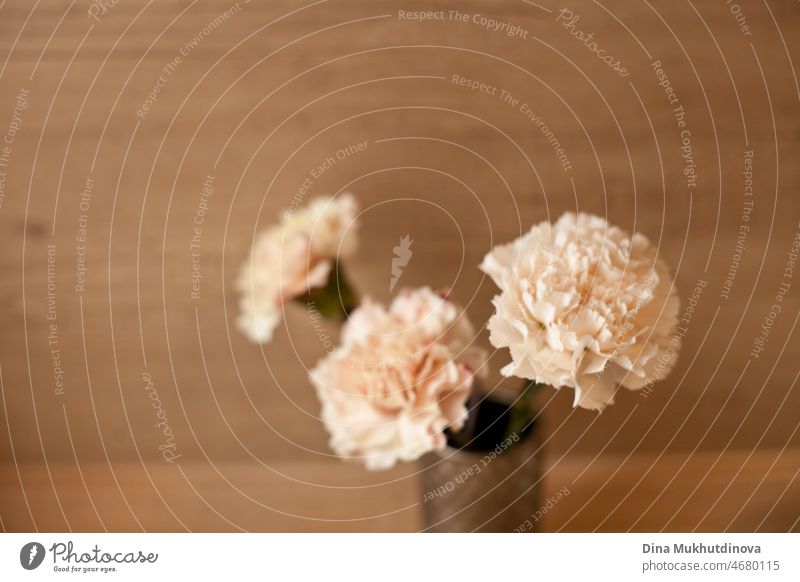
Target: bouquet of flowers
column 581, row 305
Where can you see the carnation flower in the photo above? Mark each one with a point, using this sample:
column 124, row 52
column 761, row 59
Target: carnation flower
column 583, row 305
column 292, row 258
column 401, row 376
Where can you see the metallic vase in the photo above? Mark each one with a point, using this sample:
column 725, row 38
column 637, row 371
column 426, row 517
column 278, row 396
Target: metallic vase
column 494, row 490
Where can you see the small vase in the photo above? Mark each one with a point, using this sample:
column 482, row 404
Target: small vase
column 485, row 481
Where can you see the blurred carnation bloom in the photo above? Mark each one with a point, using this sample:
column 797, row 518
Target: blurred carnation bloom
column 291, row 259
column 401, row 376
column 584, row 305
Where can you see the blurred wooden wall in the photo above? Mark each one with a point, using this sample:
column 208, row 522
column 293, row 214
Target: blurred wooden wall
column 267, row 93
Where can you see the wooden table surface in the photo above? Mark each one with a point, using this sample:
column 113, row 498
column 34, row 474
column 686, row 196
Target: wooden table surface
column 475, row 123
column 709, row 491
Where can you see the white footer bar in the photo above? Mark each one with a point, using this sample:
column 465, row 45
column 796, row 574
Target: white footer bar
column 406, row 557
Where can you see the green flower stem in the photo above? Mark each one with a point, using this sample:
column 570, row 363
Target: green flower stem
column 336, row 300
column 524, row 409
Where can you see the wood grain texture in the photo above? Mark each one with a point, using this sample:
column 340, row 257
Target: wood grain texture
column 262, row 97
column 710, row 491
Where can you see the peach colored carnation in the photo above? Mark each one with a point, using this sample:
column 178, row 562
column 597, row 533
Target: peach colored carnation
column 584, row 305
column 400, row 377
column 289, row 259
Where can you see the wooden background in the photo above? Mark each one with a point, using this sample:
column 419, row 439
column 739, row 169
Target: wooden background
column 268, row 92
